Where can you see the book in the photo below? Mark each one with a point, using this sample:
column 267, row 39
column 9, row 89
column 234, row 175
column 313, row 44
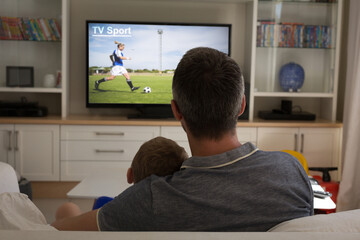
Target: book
column 29, row 32
column 45, row 28
column 55, row 27
column 39, row 30
column 43, row 31
column 14, row 28
column 2, row 31
column 5, row 25
column 52, row 34
column 34, row 31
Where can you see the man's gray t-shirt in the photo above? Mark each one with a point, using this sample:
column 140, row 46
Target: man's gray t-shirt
column 244, row 189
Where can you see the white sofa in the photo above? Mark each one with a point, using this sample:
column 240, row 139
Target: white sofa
column 342, row 225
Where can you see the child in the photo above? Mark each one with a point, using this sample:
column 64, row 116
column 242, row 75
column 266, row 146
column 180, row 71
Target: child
column 159, row 156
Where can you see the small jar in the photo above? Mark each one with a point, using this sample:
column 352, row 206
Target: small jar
column 49, row 81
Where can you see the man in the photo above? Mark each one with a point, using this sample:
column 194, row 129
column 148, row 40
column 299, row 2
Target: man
column 118, row 69
column 224, row 186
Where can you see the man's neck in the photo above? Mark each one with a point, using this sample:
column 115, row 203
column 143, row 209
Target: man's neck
column 208, row 147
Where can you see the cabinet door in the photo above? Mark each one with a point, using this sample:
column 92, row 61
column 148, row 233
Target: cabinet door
column 277, row 139
column 37, row 154
column 7, row 144
column 247, row 134
column 322, row 148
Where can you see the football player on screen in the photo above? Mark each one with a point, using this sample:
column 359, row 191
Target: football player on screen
column 117, row 69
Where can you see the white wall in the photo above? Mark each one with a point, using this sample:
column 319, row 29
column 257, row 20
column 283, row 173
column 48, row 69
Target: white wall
column 152, row 11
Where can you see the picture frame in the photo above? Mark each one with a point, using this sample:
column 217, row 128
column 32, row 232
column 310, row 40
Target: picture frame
column 19, row 76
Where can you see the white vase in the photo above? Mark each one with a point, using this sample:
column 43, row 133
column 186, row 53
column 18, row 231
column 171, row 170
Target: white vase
column 49, row 81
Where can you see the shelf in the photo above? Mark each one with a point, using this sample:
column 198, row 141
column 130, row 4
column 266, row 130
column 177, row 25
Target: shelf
column 298, row 48
column 293, row 94
column 31, row 89
column 296, row 2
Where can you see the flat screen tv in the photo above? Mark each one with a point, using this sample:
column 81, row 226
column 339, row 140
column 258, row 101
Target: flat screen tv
column 152, row 52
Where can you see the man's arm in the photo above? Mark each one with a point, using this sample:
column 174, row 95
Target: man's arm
column 83, row 222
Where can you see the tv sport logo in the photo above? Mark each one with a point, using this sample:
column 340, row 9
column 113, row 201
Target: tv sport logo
column 111, row 31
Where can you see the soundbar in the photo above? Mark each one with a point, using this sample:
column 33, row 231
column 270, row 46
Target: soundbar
column 24, row 112
column 271, row 115
column 22, row 109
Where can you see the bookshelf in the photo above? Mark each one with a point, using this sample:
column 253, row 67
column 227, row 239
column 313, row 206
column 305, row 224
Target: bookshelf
column 306, row 33
column 34, row 34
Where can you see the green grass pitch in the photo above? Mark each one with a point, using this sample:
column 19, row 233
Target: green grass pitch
column 118, row 91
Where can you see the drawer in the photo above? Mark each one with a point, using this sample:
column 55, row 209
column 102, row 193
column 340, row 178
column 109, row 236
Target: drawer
column 75, row 150
column 92, row 132
column 178, row 135
column 174, row 133
column 78, row 170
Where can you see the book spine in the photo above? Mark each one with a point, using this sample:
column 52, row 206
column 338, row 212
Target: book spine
column 29, row 31
column 45, row 29
column 6, row 28
column 258, row 34
column 15, row 28
column 54, row 28
column 58, row 27
column 2, row 31
column 42, row 29
column 52, row 34
column 34, row 31
column 39, row 30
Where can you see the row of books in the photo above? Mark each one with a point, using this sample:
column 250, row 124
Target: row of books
column 294, row 35
column 27, row 28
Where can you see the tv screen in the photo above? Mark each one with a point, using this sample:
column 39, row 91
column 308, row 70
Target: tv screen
column 131, row 64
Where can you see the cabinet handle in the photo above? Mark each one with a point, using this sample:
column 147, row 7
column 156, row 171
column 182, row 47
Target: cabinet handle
column 109, row 151
column 296, row 142
column 110, row 133
column 302, row 143
column 10, row 145
column 16, row 148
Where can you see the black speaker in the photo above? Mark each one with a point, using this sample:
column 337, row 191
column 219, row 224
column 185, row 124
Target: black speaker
column 286, row 106
column 19, row 76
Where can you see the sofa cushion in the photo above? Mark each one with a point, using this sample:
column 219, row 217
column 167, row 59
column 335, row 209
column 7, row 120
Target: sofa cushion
column 347, row 221
column 18, row 212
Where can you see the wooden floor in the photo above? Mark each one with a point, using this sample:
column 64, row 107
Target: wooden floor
column 48, row 196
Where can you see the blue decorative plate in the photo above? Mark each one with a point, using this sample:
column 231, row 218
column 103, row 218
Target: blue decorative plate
column 291, row 77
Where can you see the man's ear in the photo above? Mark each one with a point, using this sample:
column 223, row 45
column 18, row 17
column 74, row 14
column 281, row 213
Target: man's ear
column 175, row 110
column 130, row 176
column 243, row 105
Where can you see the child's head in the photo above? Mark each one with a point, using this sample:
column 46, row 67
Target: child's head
column 159, row 156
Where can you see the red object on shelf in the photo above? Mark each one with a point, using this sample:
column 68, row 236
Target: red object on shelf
column 333, row 188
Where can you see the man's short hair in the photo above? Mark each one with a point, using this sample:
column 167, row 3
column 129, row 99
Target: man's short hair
column 208, row 89
column 159, row 156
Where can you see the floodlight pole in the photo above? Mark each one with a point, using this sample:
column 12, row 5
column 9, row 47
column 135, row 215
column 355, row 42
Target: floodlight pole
column 160, row 32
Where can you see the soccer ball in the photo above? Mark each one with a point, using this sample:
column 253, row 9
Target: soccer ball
column 147, row 90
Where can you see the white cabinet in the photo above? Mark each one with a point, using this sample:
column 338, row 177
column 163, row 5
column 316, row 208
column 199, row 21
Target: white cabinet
column 33, row 150
column 6, row 144
column 321, row 147
column 88, row 149
column 178, row 135
column 245, row 134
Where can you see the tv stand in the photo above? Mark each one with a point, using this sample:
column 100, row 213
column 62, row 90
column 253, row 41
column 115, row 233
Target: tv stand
column 153, row 112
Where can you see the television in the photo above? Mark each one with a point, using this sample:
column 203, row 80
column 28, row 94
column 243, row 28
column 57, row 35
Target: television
column 152, row 52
